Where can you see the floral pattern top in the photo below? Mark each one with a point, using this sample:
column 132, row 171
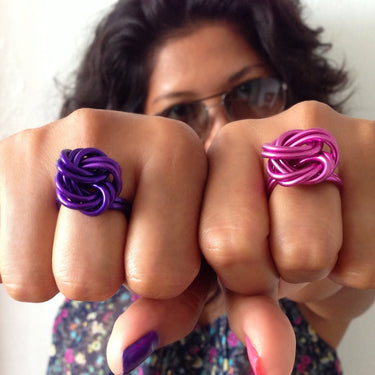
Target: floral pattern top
column 81, row 331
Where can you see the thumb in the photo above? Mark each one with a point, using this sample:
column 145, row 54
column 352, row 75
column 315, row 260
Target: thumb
column 260, row 324
column 149, row 324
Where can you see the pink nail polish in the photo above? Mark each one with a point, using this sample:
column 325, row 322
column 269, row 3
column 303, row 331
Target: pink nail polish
column 253, row 358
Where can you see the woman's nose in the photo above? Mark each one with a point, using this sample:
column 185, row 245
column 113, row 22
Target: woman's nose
column 218, row 119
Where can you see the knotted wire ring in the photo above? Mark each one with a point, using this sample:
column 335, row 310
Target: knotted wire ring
column 297, row 158
column 89, row 181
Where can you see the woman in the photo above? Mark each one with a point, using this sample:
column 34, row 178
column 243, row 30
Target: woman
column 195, row 61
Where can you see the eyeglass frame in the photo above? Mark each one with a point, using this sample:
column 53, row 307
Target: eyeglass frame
column 223, row 95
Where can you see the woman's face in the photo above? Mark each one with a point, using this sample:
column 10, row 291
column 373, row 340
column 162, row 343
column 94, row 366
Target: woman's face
column 211, row 59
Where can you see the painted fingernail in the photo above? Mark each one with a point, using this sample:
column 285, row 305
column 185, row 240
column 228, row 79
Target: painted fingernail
column 137, row 352
column 253, row 358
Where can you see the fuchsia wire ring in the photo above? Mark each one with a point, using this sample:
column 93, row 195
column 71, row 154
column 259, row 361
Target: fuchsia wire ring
column 89, row 181
column 297, row 158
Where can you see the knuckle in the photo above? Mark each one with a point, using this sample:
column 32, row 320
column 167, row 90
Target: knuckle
column 226, row 248
column 303, row 262
column 231, row 135
column 152, row 285
column 85, row 124
column 361, row 279
column 81, row 292
column 23, row 143
column 84, row 116
column 29, row 292
column 355, row 275
column 25, row 284
column 192, row 301
column 310, row 113
column 177, row 143
column 86, row 288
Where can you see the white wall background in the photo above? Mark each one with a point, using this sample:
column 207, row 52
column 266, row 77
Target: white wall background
column 41, row 40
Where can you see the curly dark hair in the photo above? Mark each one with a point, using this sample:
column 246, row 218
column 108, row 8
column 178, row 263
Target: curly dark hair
column 115, row 71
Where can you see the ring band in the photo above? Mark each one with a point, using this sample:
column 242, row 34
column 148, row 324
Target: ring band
column 297, row 158
column 89, row 181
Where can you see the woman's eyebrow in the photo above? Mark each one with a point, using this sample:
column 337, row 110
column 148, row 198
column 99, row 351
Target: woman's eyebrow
column 238, row 75
column 233, row 78
column 173, row 95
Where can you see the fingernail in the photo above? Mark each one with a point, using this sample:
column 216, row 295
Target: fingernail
column 253, row 358
column 137, row 352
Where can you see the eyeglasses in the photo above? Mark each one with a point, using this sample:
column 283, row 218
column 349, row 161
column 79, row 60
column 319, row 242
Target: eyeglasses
column 253, row 99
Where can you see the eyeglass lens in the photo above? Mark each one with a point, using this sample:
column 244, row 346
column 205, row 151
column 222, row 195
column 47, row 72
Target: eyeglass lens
column 256, row 98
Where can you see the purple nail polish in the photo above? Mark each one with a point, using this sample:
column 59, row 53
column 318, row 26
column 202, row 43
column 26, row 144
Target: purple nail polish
column 137, row 352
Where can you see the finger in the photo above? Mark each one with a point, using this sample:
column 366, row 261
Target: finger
column 143, row 146
column 163, row 169
column 305, row 226
column 259, row 323
column 28, row 218
column 28, row 209
column 88, row 254
column 162, row 253
column 355, row 139
column 149, row 324
column 306, row 231
column 355, row 267
column 234, row 222
column 309, row 291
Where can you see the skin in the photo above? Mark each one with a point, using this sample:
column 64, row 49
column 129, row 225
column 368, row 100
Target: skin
column 225, row 59
column 250, row 243
column 282, row 263
column 174, row 80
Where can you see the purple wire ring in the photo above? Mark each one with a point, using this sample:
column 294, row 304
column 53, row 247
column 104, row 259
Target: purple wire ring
column 297, row 158
column 89, row 181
